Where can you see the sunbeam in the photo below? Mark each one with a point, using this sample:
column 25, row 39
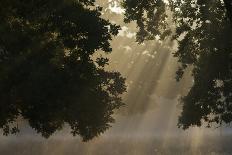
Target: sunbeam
column 147, row 124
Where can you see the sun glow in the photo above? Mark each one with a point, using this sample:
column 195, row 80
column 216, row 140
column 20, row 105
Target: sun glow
column 148, row 122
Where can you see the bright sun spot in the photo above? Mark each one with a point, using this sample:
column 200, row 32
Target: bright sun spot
column 115, row 7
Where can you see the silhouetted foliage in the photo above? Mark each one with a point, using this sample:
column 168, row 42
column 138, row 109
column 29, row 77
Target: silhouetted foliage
column 49, row 75
column 150, row 17
column 228, row 6
column 204, row 35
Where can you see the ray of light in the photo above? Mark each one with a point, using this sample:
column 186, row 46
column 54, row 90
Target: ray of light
column 151, row 113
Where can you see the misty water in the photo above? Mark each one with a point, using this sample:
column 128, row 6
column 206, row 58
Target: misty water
column 147, row 124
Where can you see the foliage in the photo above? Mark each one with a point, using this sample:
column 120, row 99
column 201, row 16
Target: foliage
column 204, row 35
column 48, row 73
column 150, row 17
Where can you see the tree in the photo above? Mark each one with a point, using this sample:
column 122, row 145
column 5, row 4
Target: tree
column 49, row 75
column 204, row 35
column 228, row 6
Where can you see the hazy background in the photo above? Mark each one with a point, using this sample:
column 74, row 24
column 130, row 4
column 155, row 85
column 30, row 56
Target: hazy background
column 148, row 122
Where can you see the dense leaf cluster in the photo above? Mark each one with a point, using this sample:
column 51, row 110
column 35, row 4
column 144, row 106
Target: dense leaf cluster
column 48, row 73
column 150, row 16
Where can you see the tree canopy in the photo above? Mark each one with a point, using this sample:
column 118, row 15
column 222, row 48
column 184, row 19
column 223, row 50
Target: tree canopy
column 49, row 75
column 204, row 34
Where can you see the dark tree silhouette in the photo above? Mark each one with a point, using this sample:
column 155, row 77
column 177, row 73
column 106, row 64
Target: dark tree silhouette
column 150, row 17
column 49, row 75
column 228, row 6
column 204, row 35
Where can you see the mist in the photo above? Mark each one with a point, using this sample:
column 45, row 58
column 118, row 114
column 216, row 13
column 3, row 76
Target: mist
column 147, row 124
